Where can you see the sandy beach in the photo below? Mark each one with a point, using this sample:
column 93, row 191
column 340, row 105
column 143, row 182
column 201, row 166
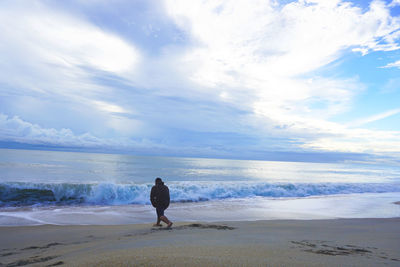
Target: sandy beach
column 341, row 242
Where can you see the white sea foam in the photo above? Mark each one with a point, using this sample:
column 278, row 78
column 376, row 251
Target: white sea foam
column 22, row 194
column 366, row 205
column 39, row 187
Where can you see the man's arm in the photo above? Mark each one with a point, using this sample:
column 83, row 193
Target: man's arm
column 168, row 198
column 153, row 197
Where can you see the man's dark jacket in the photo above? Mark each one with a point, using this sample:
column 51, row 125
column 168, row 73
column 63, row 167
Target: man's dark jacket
column 159, row 196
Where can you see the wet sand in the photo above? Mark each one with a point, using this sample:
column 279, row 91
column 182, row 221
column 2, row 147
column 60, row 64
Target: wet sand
column 342, row 242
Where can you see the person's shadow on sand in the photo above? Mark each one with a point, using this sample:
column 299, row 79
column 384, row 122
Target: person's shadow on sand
column 196, row 225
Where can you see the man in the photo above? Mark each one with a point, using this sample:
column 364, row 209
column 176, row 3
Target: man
column 159, row 198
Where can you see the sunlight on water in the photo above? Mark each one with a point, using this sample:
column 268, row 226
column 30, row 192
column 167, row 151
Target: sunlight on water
column 60, row 167
column 38, row 187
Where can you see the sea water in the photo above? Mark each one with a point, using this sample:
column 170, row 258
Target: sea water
column 51, row 187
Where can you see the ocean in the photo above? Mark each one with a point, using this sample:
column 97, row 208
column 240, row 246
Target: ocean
column 52, row 187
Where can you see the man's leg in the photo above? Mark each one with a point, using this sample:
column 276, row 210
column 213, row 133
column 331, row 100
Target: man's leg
column 165, row 219
column 158, row 222
column 159, row 214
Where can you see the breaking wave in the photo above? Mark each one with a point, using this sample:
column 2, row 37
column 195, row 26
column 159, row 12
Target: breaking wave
column 26, row 194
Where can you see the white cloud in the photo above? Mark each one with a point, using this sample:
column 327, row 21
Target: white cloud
column 17, row 130
column 57, row 38
column 373, row 118
column 260, row 57
column 248, row 68
column 393, row 65
column 261, row 40
column 358, row 140
column 49, row 53
column 108, row 107
column 395, row 3
column 53, row 56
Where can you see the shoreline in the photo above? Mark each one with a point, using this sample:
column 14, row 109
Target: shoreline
column 328, row 242
column 366, row 205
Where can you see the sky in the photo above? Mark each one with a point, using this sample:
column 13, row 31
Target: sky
column 221, row 78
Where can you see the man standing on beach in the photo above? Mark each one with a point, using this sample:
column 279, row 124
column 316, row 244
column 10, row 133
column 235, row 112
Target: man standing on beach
column 159, row 198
